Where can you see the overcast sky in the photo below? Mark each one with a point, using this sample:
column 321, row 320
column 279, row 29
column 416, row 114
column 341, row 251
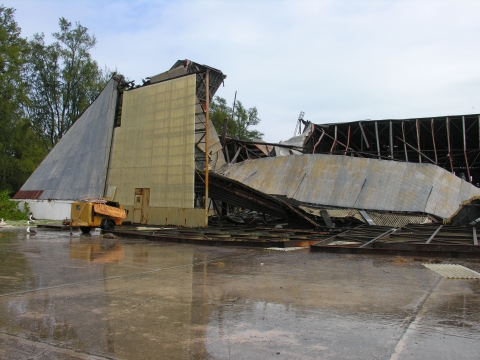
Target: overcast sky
column 335, row 60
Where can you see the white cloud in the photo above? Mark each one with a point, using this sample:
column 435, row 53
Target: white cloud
column 335, row 60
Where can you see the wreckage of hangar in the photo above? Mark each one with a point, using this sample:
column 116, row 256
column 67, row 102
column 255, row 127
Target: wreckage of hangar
column 422, row 165
column 144, row 146
column 137, row 145
column 355, row 183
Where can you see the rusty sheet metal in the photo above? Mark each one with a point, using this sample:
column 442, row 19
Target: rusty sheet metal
column 265, row 149
column 28, row 194
column 357, row 183
column 110, row 211
column 77, row 166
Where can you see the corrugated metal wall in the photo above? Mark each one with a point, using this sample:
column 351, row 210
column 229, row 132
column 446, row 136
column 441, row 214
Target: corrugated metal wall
column 77, row 165
column 357, row 183
column 154, row 147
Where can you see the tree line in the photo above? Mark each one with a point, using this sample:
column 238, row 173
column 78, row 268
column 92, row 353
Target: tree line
column 45, row 88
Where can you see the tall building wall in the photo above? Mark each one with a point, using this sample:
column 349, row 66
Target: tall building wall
column 154, row 149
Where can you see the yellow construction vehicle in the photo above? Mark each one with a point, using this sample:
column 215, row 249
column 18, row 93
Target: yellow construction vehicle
column 93, row 213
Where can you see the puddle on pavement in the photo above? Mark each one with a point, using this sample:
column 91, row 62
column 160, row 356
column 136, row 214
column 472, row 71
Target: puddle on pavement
column 139, row 300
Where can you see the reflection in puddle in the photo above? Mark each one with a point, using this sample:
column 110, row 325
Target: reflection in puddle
column 140, row 256
column 154, row 301
column 98, row 253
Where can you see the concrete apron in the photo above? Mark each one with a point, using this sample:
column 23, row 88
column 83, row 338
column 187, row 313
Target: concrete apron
column 78, row 297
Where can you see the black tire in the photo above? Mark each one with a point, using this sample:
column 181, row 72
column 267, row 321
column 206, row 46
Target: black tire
column 85, row 229
column 109, row 225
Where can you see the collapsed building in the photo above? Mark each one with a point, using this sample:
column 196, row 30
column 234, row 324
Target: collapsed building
column 136, row 145
column 146, row 147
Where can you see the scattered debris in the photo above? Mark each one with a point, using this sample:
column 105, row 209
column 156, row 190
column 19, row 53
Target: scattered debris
column 401, row 260
column 468, row 213
column 109, row 236
column 410, row 240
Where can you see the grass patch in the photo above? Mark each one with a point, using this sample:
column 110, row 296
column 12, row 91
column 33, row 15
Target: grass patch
column 9, row 210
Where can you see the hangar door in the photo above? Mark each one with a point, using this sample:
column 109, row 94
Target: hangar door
column 141, row 205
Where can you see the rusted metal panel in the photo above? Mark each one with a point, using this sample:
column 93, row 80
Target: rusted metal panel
column 141, row 206
column 28, row 194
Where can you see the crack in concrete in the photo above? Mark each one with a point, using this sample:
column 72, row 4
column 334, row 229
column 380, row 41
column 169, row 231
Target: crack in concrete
column 17, row 293
column 47, row 347
column 412, row 322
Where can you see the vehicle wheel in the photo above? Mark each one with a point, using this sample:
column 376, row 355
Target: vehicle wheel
column 109, row 225
column 85, row 229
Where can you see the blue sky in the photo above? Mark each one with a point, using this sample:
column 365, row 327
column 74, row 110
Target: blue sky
column 335, row 60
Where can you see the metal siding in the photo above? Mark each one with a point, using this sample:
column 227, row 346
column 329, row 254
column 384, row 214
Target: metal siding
column 75, row 167
column 154, row 147
column 359, row 183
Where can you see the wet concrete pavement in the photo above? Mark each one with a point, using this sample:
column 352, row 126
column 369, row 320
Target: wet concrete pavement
column 79, row 297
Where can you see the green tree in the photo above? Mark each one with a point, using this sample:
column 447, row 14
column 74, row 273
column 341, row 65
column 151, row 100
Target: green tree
column 65, row 80
column 238, row 125
column 19, row 145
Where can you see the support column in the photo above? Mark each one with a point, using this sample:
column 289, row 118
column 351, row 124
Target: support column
column 418, row 141
column 404, row 142
column 465, row 150
column 378, row 141
column 433, row 139
column 207, row 115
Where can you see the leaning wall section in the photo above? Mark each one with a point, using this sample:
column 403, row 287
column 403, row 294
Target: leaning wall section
column 358, row 183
